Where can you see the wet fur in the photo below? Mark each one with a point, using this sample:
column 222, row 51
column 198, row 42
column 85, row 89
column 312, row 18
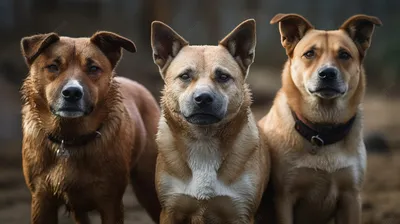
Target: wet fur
column 94, row 176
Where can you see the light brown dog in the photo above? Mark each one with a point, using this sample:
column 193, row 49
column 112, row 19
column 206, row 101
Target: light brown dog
column 314, row 127
column 212, row 164
column 85, row 132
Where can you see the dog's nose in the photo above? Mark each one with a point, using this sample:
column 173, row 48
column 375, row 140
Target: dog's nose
column 328, row 73
column 203, row 98
column 72, row 93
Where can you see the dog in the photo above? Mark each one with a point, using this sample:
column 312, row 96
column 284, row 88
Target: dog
column 212, row 163
column 314, row 127
column 86, row 133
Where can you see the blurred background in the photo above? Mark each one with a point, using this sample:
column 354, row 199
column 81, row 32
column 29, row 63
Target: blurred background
column 205, row 22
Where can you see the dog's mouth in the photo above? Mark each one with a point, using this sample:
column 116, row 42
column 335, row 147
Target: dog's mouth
column 70, row 112
column 327, row 92
column 203, row 119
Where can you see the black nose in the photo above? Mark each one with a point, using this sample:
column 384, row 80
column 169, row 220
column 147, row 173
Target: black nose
column 328, row 73
column 203, row 98
column 72, row 93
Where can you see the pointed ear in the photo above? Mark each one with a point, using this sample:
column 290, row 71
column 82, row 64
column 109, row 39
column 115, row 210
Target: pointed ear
column 33, row 46
column 111, row 45
column 166, row 44
column 292, row 28
column 360, row 29
column 241, row 43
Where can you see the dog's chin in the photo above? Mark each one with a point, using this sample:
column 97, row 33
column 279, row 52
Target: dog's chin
column 327, row 93
column 202, row 119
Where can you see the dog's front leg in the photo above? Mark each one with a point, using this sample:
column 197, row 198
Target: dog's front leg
column 81, row 218
column 284, row 209
column 349, row 209
column 44, row 209
column 112, row 213
column 164, row 218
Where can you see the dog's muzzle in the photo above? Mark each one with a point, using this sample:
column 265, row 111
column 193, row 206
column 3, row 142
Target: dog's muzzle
column 328, row 83
column 205, row 108
column 72, row 101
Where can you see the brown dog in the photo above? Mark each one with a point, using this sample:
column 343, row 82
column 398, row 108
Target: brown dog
column 314, row 126
column 85, row 133
column 212, row 164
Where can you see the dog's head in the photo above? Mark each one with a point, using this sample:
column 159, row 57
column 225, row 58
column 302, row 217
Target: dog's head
column 204, row 84
column 326, row 64
column 70, row 76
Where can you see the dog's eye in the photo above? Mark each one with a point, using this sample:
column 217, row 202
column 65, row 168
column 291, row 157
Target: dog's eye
column 344, row 55
column 309, row 54
column 185, row 76
column 53, row 68
column 222, row 77
column 94, row 69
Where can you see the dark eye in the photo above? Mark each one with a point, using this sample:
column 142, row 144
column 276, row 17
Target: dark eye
column 94, row 69
column 309, row 54
column 344, row 55
column 53, row 68
column 222, row 77
column 185, row 76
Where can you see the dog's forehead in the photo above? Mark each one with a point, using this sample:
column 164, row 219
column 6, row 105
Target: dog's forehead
column 69, row 46
column 323, row 39
column 204, row 59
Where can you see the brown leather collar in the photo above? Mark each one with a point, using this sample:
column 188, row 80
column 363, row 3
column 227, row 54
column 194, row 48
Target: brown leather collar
column 320, row 134
column 73, row 142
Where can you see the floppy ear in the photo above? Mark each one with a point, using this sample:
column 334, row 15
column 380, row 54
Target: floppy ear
column 360, row 28
column 292, row 28
column 111, row 45
column 33, row 46
column 166, row 44
column 241, row 43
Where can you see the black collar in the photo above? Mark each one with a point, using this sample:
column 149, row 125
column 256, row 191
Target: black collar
column 77, row 141
column 322, row 134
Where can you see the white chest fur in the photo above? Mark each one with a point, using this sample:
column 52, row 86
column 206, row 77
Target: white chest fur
column 332, row 158
column 204, row 160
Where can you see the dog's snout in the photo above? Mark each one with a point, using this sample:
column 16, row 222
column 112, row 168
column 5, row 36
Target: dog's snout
column 203, row 98
column 72, row 93
column 328, row 73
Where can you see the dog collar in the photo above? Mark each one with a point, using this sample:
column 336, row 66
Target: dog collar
column 321, row 134
column 73, row 142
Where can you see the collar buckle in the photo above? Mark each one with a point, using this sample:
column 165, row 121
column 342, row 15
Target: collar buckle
column 317, row 141
column 62, row 151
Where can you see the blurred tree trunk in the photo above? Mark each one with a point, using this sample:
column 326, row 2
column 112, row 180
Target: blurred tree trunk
column 153, row 10
column 208, row 10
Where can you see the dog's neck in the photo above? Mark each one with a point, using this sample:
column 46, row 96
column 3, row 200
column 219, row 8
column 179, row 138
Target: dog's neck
column 60, row 129
column 228, row 145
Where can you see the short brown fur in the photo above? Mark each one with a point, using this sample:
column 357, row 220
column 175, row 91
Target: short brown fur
column 94, row 176
column 186, row 150
column 308, row 188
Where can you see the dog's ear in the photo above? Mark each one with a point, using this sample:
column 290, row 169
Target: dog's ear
column 241, row 43
column 111, row 45
column 33, row 46
column 166, row 44
column 360, row 29
column 292, row 28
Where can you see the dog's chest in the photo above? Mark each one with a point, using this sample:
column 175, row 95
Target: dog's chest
column 204, row 160
column 330, row 158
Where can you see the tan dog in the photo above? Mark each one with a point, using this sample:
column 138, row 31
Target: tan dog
column 314, row 127
column 212, row 164
column 85, row 133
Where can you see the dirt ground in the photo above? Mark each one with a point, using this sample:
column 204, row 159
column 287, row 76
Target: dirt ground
column 381, row 197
